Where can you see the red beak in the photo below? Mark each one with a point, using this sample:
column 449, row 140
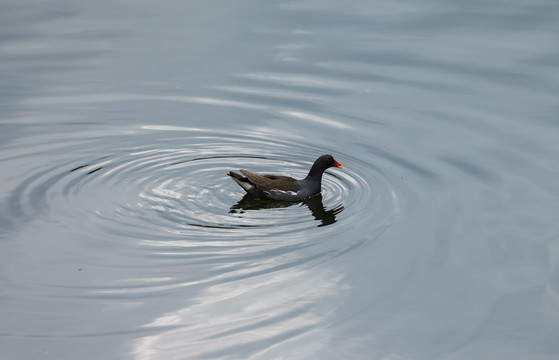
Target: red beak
column 337, row 164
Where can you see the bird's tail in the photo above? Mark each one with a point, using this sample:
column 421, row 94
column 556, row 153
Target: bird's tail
column 241, row 180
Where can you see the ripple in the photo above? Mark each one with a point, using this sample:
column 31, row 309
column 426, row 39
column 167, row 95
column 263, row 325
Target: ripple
column 180, row 191
column 176, row 188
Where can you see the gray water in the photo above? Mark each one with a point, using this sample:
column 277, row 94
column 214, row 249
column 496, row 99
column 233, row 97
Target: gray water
column 123, row 238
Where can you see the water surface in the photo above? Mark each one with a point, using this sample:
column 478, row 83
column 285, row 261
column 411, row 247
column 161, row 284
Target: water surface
column 123, row 238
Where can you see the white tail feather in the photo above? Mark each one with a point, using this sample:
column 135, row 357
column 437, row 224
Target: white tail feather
column 245, row 185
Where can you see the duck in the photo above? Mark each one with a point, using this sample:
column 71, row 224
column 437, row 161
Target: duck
column 285, row 188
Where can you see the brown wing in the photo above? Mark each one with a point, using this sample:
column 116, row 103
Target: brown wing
column 268, row 182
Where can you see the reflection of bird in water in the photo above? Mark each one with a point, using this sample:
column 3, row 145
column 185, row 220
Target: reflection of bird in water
column 318, row 210
column 315, row 205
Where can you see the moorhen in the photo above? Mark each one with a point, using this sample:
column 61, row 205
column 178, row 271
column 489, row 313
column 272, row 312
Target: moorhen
column 285, row 188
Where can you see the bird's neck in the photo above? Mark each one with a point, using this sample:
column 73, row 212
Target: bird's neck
column 315, row 173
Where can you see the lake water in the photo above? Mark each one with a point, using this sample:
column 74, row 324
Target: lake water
column 123, row 238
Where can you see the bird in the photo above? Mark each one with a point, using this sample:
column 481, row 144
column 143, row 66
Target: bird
column 285, row 188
